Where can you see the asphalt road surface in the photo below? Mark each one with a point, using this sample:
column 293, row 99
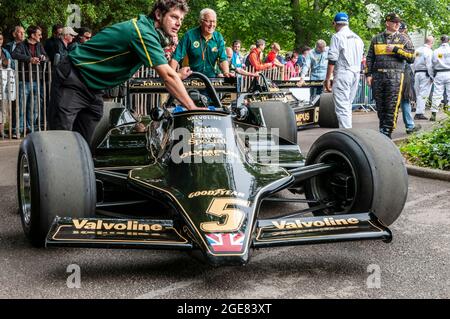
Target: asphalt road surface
column 415, row 265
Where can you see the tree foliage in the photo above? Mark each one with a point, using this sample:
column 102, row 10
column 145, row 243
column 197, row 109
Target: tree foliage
column 291, row 23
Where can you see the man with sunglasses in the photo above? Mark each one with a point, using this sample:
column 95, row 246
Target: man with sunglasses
column 204, row 48
column 388, row 53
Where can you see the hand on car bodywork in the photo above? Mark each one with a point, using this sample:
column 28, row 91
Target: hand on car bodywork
column 184, row 73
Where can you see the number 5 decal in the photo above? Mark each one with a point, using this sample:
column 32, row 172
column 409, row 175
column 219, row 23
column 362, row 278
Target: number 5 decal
column 234, row 217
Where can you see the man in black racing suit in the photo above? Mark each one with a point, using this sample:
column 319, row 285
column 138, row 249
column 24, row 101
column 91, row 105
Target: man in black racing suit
column 385, row 71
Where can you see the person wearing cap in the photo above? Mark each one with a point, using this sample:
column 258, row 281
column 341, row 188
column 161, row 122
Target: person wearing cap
column 79, row 79
column 408, row 93
column 386, row 58
column 84, row 35
column 344, row 62
column 441, row 68
column 423, row 78
column 66, row 38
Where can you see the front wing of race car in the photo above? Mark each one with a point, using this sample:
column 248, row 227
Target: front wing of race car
column 166, row 235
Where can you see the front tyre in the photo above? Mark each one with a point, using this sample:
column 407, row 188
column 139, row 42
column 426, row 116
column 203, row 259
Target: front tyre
column 370, row 175
column 55, row 177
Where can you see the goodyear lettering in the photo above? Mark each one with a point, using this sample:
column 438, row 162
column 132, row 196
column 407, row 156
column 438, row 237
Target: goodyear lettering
column 217, row 192
column 85, row 224
column 326, row 222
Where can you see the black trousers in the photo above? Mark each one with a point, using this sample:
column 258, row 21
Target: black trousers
column 387, row 92
column 73, row 106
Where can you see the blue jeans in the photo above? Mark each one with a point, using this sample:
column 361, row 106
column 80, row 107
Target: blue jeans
column 406, row 113
column 28, row 106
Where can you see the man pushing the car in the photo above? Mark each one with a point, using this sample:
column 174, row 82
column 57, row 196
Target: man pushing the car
column 111, row 58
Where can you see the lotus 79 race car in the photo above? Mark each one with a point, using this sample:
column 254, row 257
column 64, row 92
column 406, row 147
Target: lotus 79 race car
column 196, row 180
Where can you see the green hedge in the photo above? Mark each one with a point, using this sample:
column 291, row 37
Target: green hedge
column 430, row 149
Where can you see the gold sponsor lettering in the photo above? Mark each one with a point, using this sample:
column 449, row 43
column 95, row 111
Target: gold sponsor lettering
column 303, row 117
column 326, row 222
column 216, row 193
column 99, row 225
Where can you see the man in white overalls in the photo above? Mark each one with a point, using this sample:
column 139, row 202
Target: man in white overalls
column 441, row 66
column 423, row 79
column 344, row 62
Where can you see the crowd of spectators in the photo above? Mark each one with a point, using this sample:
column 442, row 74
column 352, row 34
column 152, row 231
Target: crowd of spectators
column 32, row 56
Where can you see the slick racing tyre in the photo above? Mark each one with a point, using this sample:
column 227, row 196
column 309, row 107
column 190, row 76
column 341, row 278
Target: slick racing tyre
column 55, row 177
column 327, row 112
column 370, row 175
column 279, row 115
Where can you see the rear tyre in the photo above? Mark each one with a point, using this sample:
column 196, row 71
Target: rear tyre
column 55, row 177
column 280, row 116
column 370, row 174
column 327, row 112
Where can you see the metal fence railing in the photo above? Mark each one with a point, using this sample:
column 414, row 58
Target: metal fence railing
column 25, row 95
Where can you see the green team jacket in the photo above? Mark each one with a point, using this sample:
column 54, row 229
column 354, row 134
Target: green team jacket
column 203, row 54
column 114, row 54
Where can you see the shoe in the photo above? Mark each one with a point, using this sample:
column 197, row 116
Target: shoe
column 416, row 128
column 420, row 117
column 433, row 117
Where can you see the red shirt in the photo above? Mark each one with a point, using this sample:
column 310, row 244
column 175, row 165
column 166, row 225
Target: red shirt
column 256, row 63
column 271, row 57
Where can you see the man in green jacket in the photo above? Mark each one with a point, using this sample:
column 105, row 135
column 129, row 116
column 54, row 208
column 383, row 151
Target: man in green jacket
column 109, row 59
column 204, row 47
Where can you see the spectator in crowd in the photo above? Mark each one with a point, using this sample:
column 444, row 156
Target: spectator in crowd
column 386, row 57
column 204, row 47
column 423, row 79
column 272, row 57
column 66, row 38
column 83, row 35
column 237, row 60
column 408, row 93
column 255, row 60
column 76, row 98
column 52, row 45
column 19, row 36
column 5, row 55
column 291, row 66
column 246, row 60
column 344, row 62
column 441, row 67
column 317, row 64
column 5, row 63
column 303, row 54
column 30, row 53
column 236, row 68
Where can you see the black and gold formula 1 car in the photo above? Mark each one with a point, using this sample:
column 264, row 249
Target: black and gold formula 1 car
column 196, row 180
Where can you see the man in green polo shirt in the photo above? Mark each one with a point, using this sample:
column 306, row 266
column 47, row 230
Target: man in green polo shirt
column 111, row 58
column 204, row 47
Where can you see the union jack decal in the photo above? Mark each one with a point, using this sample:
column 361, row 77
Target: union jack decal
column 224, row 243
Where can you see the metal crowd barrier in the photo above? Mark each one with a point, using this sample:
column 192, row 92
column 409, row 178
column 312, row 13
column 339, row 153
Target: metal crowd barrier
column 22, row 106
column 24, row 98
